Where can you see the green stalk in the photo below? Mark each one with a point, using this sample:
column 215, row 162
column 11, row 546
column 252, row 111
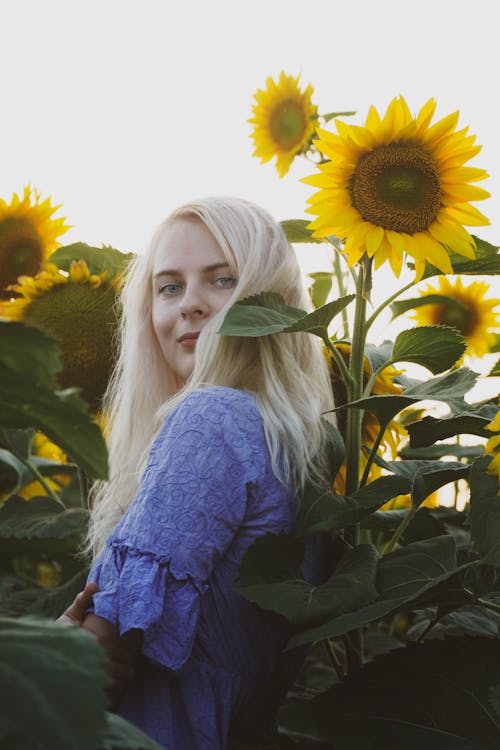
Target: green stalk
column 354, row 640
column 400, row 530
column 48, row 489
column 337, row 269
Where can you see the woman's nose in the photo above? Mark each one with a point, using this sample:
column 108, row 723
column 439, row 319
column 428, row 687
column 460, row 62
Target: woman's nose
column 193, row 303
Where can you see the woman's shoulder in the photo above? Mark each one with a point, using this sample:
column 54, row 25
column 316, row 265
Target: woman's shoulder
column 215, row 405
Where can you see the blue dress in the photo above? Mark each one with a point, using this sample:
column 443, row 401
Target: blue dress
column 168, row 568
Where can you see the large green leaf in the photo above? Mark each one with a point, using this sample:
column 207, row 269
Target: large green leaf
column 449, row 388
column 425, row 477
column 484, row 512
column 52, row 686
column 296, row 231
column 266, row 313
column 434, row 347
column 431, row 452
column 431, row 582
column 29, row 353
column 429, row 429
column 61, row 415
column 40, row 518
column 98, row 259
column 351, row 586
column 402, row 306
column 119, row 734
column 436, row 695
column 486, row 262
column 327, row 511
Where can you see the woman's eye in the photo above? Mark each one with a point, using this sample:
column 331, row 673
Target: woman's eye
column 169, row 289
column 225, row 282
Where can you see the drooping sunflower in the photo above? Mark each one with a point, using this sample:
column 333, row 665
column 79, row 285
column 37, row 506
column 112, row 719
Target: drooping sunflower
column 284, row 120
column 28, row 234
column 398, row 185
column 384, row 384
column 79, row 310
column 466, row 308
column 493, row 446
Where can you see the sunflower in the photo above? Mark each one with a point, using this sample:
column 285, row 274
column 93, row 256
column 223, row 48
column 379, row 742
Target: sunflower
column 78, row 309
column 28, row 234
column 284, row 121
column 466, row 308
column 398, row 185
column 384, row 384
column 493, row 446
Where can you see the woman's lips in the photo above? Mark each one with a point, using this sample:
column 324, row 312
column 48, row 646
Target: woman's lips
column 189, row 340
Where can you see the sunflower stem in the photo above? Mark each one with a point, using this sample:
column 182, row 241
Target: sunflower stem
column 383, row 305
column 487, row 604
column 346, row 376
column 371, row 457
column 40, row 478
column 339, row 275
column 400, row 530
column 354, row 641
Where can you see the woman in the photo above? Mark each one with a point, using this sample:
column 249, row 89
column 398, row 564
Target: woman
column 210, row 438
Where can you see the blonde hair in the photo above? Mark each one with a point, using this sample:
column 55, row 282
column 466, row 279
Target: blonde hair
column 287, row 373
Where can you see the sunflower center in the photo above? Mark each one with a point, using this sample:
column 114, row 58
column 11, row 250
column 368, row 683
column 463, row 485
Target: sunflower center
column 397, row 187
column 84, row 322
column 21, row 250
column 288, row 124
column 458, row 316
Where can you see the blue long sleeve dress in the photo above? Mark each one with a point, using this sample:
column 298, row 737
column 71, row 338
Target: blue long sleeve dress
column 168, row 568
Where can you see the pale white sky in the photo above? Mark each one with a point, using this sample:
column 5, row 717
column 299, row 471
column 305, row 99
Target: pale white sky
column 122, row 109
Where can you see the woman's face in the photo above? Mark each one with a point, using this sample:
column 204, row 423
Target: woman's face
column 192, row 281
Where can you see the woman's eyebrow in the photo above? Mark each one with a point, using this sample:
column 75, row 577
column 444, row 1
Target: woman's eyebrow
column 177, row 272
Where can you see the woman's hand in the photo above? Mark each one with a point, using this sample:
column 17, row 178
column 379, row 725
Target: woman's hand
column 121, row 651
column 75, row 614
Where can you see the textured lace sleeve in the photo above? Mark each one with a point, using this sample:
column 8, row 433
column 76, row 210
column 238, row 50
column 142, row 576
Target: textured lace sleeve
column 190, row 504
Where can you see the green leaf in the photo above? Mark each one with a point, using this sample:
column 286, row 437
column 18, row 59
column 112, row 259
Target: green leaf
column 60, row 415
column 98, row 259
column 28, row 351
column 40, row 518
column 119, row 733
column 43, row 602
column 335, row 449
column 486, row 262
column 328, row 511
column 13, row 472
column 29, row 360
column 484, row 512
column 429, row 429
column 495, row 370
column 407, row 571
column 450, row 388
column 320, row 288
column 432, row 452
column 425, row 477
column 332, row 115
column 296, row 231
column 433, row 695
column 402, row 306
column 266, row 313
column 351, row 586
column 434, row 347
column 52, row 685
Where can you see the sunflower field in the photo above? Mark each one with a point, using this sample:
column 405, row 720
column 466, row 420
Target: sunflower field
column 401, row 640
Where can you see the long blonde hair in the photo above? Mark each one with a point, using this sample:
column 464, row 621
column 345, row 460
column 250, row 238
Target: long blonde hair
column 286, row 373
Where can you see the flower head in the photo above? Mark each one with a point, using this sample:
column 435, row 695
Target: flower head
column 493, row 446
column 398, row 185
column 284, row 121
column 466, row 308
column 78, row 309
column 28, row 234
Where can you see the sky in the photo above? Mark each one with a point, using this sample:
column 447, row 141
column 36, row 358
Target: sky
column 121, row 110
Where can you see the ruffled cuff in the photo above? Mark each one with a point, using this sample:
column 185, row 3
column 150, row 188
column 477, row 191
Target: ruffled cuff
column 142, row 590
